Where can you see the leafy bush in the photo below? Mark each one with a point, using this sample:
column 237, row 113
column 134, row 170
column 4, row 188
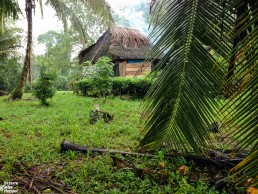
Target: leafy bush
column 84, row 87
column 100, row 79
column 98, row 82
column 120, row 85
column 136, row 87
column 44, row 87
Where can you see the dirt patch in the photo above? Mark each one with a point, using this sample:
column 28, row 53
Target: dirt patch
column 39, row 179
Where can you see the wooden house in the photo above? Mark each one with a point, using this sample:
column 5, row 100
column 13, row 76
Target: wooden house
column 127, row 48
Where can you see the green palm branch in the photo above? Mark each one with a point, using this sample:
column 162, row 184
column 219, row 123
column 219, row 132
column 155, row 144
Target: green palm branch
column 180, row 106
column 9, row 41
column 197, row 39
column 98, row 7
column 241, row 87
column 9, row 8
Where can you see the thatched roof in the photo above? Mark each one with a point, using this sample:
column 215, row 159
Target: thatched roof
column 118, row 43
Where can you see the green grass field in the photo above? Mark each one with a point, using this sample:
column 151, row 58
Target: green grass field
column 30, row 137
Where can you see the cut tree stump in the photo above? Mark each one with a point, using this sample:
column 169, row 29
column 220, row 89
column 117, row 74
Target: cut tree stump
column 96, row 115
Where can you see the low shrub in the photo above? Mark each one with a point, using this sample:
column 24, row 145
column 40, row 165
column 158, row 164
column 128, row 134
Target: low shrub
column 135, row 87
column 44, row 87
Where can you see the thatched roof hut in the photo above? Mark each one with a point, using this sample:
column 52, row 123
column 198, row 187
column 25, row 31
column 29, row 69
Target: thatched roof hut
column 118, row 43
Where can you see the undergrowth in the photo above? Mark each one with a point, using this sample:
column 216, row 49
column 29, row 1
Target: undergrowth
column 30, row 137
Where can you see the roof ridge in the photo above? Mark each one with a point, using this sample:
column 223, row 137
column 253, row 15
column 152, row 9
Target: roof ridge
column 127, row 35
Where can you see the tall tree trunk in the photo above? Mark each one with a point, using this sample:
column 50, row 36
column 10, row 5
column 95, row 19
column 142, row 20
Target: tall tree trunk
column 18, row 92
column 2, row 24
column 240, row 10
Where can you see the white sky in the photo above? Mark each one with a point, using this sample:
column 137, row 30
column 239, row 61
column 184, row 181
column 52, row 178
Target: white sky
column 115, row 4
column 50, row 21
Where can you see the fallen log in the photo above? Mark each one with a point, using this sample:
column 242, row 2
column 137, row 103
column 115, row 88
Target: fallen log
column 66, row 146
column 3, row 93
column 221, row 163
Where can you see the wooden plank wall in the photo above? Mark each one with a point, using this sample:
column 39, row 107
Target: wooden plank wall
column 132, row 68
column 122, row 69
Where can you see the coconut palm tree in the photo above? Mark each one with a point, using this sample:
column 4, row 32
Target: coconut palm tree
column 208, row 47
column 9, row 8
column 9, row 67
column 9, row 41
column 99, row 7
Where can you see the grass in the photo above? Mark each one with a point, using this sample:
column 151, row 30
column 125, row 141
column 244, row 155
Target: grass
column 30, row 137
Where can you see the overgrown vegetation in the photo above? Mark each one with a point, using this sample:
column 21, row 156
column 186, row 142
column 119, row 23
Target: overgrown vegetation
column 30, row 137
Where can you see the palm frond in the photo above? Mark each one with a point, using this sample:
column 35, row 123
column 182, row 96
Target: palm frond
column 9, row 41
column 9, row 8
column 180, row 106
column 41, row 8
column 64, row 12
column 241, row 87
column 100, row 8
column 247, row 170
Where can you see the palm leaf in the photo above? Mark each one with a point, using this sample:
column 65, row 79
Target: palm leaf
column 100, row 8
column 247, row 170
column 180, row 106
column 241, row 121
column 9, row 8
column 242, row 88
column 9, row 41
column 64, row 12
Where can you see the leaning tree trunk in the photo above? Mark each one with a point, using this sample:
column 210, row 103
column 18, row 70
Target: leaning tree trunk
column 18, row 92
